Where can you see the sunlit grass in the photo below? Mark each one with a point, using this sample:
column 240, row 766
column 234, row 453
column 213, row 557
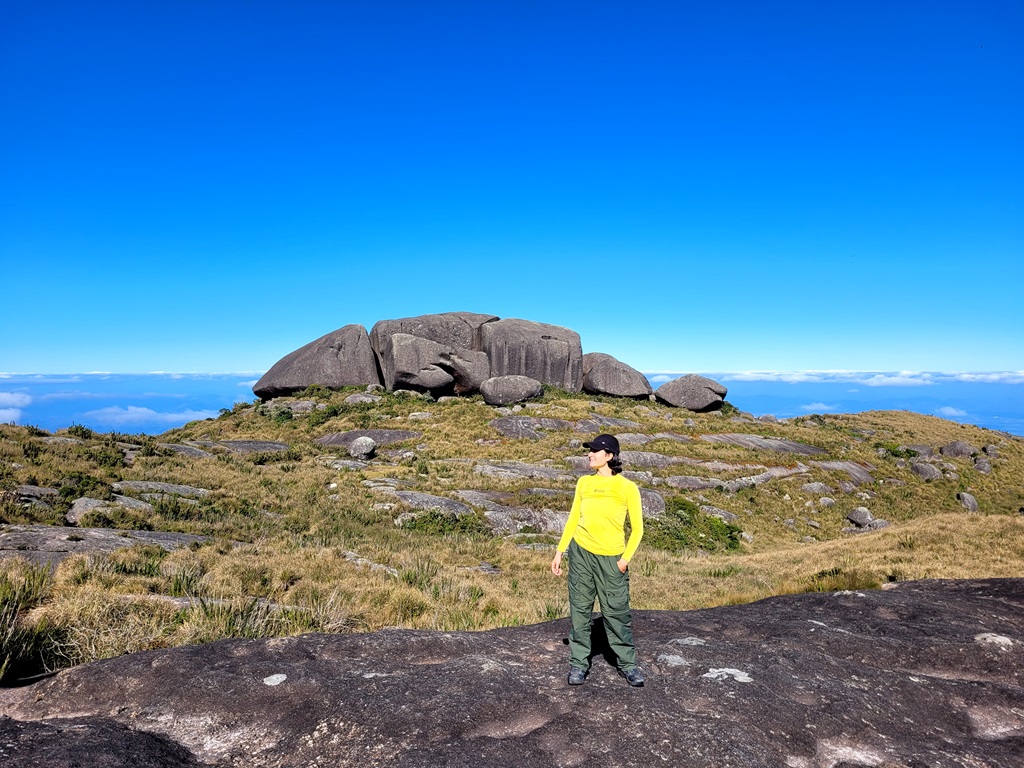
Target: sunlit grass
column 297, row 547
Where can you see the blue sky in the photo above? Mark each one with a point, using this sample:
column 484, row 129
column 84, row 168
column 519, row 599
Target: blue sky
column 790, row 186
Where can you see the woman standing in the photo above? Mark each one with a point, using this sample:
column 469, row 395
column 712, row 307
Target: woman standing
column 599, row 557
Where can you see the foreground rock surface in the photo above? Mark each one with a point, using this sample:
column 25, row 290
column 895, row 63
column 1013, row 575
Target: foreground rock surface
column 926, row 674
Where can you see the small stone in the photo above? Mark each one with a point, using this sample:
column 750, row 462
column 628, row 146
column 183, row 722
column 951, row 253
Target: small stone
column 860, row 516
column 362, row 448
column 968, row 501
column 358, row 398
column 925, row 471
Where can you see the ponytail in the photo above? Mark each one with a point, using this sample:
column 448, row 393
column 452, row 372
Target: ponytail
column 615, row 465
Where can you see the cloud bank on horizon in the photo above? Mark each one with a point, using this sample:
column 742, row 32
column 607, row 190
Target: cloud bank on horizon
column 865, row 378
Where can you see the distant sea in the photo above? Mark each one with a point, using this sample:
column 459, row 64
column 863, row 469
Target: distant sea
column 156, row 402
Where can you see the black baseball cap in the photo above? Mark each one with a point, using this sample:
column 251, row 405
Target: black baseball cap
column 604, row 443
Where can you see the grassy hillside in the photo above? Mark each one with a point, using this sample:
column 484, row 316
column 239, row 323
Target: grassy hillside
column 298, row 546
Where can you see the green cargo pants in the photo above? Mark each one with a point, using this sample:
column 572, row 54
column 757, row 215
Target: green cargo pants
column 598, row 576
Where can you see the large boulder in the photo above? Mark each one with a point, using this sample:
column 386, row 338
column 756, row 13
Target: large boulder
column 342, row 358
column 440, row 354
column 604, row 375
column 548, row 353
column 422, row 365
column 693, row 392
column 505, row 390
column 451, row 329
column 958, row 449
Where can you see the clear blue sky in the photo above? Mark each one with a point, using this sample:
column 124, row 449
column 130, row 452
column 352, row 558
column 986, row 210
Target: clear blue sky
column 712, row 186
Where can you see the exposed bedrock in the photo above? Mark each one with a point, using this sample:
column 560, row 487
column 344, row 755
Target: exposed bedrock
column 928, row 673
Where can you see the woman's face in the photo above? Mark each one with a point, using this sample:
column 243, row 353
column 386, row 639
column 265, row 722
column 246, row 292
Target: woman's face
column 599, row 459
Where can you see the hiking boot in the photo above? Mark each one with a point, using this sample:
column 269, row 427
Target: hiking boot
column 577, row 676
column 633, row 676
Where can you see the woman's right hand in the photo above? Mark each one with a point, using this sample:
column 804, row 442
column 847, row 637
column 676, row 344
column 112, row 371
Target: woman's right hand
column 556, row 564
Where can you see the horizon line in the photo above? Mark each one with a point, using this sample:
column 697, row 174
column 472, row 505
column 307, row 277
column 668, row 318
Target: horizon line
column 659, row 372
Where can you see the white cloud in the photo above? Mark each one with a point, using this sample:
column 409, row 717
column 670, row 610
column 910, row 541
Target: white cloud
column 251, row 384
column 818, row 407
column 133, row 414
column 902, row 379
column 866, row 378
column 15, row 399
column 72, row 395
column 996, row 377
column 38, row 378
column 790, row 377
column 9, row 415
column 950, row 411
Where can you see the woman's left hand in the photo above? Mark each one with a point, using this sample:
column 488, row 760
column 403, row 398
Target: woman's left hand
column 623, row 565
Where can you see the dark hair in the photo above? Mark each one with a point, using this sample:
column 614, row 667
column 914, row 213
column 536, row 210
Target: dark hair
column 615, row 465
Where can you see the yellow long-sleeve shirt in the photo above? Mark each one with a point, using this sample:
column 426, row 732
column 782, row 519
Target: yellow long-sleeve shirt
column 598, row 517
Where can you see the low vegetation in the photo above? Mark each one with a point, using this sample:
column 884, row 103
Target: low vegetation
column 291, row 545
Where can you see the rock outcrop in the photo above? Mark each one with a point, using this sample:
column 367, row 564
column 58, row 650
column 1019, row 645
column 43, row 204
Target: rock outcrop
column 454, row 353
column 548, row 353
column 48, row 544
column 693, row 392
column 604, row 375
column 440, row 354
column 925, row 674
column 341, row 358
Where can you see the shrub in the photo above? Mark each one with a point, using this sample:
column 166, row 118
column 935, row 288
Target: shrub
column 30, row 449
column 117, row 517
column 683, row 526
column 839, row 579
column 92, row 624
column 892, row 449
column 83, row 433
column 21, row 591
column 420, row 574
column 322, row 415
column 79, row 484
column 141, row 560
column 14, row 513
column 107, row 455
column 316, row 392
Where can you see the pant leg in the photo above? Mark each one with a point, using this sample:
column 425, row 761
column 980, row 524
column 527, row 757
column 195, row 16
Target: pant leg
column 613, row 594
column 582, row 592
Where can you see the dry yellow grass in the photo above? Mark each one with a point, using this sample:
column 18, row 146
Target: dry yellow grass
column 300, row 547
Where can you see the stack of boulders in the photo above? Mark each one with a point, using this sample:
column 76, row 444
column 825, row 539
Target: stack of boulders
column 464, row 353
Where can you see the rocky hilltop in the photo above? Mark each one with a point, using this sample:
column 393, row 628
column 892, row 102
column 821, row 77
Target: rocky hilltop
column 925, row 674
column 299, row 582
column 465, row 353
